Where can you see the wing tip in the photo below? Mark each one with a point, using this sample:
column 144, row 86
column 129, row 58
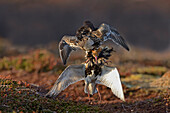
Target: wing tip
column 64, row 62
column 127, row 48
column 48, row 95
column 123, row 99
column 51, row 95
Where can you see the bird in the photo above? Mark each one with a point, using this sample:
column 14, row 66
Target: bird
column 92, row 73
column 89, row 38
column 104, row 75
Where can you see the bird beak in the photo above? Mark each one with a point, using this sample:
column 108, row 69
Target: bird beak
column 95, row 54
column 96, row 59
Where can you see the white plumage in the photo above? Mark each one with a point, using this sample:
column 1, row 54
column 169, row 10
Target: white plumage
column 111, row 78
column 74, row 73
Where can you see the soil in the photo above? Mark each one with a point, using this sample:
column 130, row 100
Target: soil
column 137, row 99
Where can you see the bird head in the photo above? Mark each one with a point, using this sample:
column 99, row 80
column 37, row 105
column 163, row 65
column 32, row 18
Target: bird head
column 89, row 24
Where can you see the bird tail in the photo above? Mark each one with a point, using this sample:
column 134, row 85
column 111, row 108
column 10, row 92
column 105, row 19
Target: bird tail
column 91, row 87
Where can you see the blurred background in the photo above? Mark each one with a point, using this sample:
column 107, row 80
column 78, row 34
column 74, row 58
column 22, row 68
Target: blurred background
column 143, row 23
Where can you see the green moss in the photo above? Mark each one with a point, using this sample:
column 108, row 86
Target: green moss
column 15, row 99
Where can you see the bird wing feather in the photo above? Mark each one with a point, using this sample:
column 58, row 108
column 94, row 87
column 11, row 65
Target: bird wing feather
column 108, row 32
column 111, row 78
column 66, row 45
column 70, row 75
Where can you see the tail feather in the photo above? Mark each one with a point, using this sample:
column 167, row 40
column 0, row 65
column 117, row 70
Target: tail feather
column 91, row 87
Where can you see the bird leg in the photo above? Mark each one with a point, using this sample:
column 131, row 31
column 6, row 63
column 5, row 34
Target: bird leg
column 99, row 93
column 89, row 96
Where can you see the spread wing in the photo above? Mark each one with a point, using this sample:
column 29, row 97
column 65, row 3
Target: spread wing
column 108, row 32
column 66, row 45
column 111, row 78
column 70, row 75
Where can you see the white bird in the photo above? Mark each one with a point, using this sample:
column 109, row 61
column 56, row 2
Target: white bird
column 108, row 76
column 88, row 38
